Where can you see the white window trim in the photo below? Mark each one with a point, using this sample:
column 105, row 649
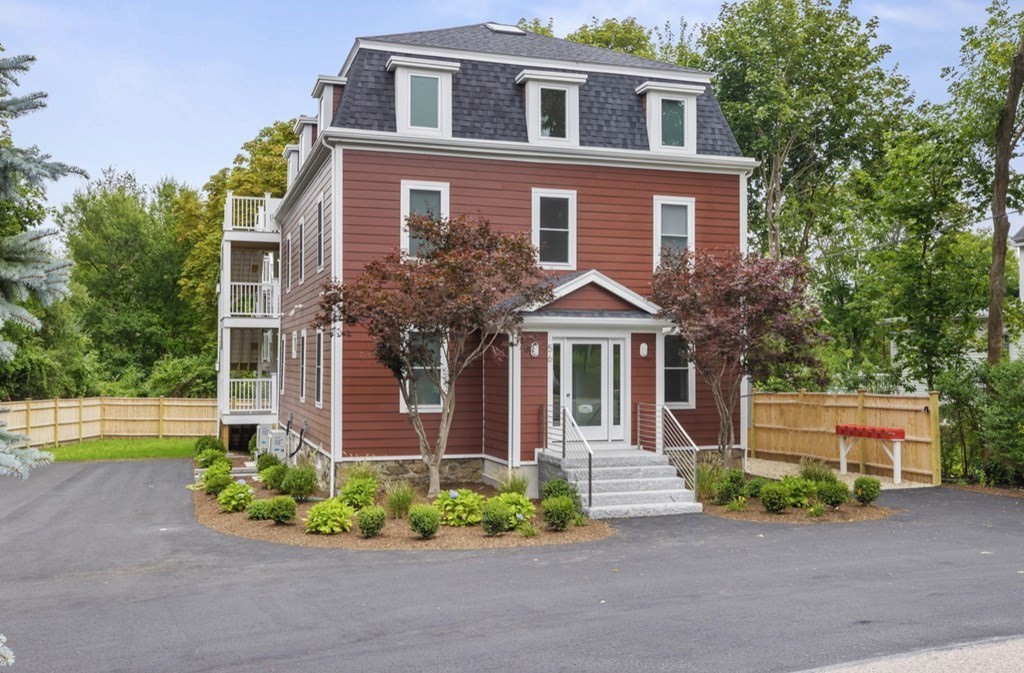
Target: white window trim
column 656, row 92
column 691, row 373
column 569, row 194
column 404, row 67
column 429, row 408
column 282, row 363
column 691, row 219
column 569, row 82
column 407, row 187
column 320, row 233
column 302, row 367
column 302, row 250
column 318, row 377
column 288, row 261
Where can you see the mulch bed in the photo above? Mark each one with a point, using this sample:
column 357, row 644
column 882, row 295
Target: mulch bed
column 396, row 534
column 848, row 513
column 1005, row 491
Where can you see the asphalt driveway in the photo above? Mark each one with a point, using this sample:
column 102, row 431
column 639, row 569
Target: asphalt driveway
column 103, row 568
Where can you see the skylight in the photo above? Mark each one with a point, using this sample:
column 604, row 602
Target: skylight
column 505, row 28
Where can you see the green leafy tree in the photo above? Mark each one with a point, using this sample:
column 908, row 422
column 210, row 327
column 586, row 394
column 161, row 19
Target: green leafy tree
column 626, row 35
column 28, row 269
column 985, row 92
column 535, row 25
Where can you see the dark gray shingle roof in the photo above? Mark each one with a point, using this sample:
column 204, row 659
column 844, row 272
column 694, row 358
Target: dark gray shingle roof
column 1019, row 236
column 488, row 105
column 478, row 37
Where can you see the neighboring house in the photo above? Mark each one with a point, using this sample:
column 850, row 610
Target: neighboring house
column 606, row 158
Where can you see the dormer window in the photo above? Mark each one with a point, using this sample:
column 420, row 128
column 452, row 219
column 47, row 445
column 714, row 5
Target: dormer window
column 423, row 95
column 671, row 115
column 552, row 106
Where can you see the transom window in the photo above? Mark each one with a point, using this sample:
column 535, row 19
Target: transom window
column 554, row 227
column 421, row 198
column 673, row 225
column 673, row 122
column 677, row 372
column 553, row 113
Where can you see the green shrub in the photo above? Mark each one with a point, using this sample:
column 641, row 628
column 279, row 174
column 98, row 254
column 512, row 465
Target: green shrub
column 424, row 520
column 835, row 494
column 528, row 530
column 866, row 489
column 580, row 520
column 817, row 471
column 329, row 517
column 521, row 509
column 235, row 497
column 222, row 466
column 559, row 511
column 495, row 517
column 460, row 508
column 774, row 497
column 300, row 482
column 259, row 510
column 252, row 445
column 709, row 476
column 363, row 469
column 754, row 486
column 273, row 476
column 214, row 483
column 207, row 443
column 281, row 509
column 265, row 460
column 730, row 487
column 359, row 492
column 815, row 510
column 513, row 481
column 556, row 487
column 371, row 520
column 737, row 504
column 1002, row 460
column 398, row 498
column 801, row 491
column 211, row 456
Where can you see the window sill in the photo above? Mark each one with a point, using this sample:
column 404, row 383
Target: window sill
column 552, row 266
column 428, row 409
column 680, row 406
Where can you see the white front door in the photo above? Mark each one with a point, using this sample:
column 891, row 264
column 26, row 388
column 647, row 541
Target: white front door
column 589, row 376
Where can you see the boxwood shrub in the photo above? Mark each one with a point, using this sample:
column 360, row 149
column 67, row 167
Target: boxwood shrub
column 774, row 497
column 754, row 486
column 424, row 520
column 259, row 510
column 265, row 460
column 866, row 489
column 834, row 494
column 211, row 456
column 214, row 483
column 300, row 482
column 208, row 442
column 282, row 509
column 730, row 487
column 554, row 487
column 495, row 517
column 371, row 520
column 558, row 511
column 273, row 476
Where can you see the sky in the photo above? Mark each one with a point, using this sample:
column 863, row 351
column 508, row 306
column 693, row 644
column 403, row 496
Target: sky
column 172, row 89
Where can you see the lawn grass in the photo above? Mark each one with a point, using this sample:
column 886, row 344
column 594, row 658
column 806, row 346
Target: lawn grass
column 124, row 449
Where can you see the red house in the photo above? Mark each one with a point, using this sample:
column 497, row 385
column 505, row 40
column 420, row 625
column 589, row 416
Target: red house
column 605, row 158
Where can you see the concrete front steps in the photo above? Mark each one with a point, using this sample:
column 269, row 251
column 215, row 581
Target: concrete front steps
column 631, row 483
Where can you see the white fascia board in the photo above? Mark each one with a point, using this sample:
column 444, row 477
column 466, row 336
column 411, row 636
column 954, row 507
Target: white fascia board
column 670, row 87
column 317, row 156
column 520, row 151
column 421, row 63
column 303, row 120
column 324, row 80
column 288, row 149
column 699, row 77
column 597, row 278
column 647, row 325
column 551, row 76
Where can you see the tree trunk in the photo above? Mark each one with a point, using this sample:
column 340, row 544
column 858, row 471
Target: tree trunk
column 1000, row 221
column 435, row 479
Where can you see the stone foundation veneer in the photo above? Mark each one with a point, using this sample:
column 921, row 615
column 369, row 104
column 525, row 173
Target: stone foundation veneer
column 453, row 470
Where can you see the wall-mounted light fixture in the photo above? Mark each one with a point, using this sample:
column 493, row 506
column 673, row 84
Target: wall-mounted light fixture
column 643, row 350
column 534, row 349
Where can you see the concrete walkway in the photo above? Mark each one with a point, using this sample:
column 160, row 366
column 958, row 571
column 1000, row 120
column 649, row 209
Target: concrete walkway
column 988, row 656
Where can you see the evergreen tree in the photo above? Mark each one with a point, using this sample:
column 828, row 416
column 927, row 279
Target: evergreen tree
column 28, row 269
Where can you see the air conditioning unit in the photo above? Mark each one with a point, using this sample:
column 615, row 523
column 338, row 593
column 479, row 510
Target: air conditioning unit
column 278, row 444
column 263, row 439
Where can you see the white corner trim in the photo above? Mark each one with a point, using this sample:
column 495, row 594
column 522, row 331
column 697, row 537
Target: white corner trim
column 743, row 213
column 551, row 76
column 691, row 219
column 670, row 87
column 396, row 61
column 568, row 194
column 516, row 403
column 337, row 231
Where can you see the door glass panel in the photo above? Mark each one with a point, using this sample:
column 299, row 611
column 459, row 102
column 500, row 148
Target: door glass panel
column 586, row 384
column 617, row 384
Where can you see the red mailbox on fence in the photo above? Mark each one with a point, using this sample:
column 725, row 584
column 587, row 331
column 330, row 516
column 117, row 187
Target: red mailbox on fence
column 891, row 438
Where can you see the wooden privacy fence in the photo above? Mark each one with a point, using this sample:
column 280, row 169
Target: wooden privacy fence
column 59, row 421
column 789, row 426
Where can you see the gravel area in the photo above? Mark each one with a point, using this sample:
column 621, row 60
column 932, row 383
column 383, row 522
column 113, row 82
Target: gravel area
column 775, row 469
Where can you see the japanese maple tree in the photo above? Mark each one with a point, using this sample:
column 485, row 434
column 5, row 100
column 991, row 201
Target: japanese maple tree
column 431, row 317
column 737, row 315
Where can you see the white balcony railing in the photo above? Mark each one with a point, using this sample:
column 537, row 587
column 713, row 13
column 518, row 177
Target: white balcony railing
column 257, row 396
column 255, row 300
column 250, row 213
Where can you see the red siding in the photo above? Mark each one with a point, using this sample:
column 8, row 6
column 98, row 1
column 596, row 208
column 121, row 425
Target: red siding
column 534, row 394
column 593, row 298
column 495, row 394
column 643, row 377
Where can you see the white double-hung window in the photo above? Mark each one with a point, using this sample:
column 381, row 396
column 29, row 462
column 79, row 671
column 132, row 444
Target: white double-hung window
column 423, row 95
column 673, row 225
column 427, row 374
column 554, row 227
column 671, row 115
column 678, row 375
column 552, row 106
column 421, row 198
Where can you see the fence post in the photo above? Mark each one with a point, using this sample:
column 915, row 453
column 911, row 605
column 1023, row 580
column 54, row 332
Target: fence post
column 81, row 415
column 861, row 420
column 103, row 418
column 56, row 421
column 160, row 420
column 933, row 409
column 28, row 421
